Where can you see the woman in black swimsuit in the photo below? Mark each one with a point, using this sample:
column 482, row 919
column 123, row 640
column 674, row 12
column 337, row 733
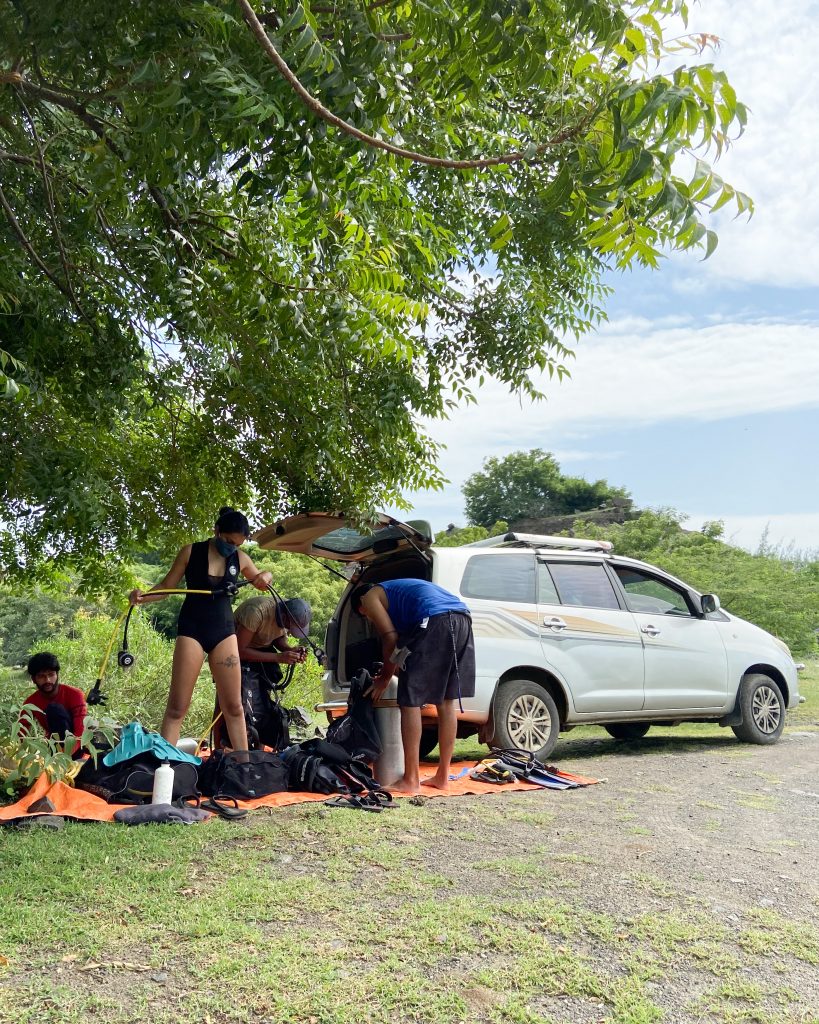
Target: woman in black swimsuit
column 206, row 626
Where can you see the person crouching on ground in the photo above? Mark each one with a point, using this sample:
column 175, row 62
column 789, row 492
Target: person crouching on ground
column 60, row 708
column 436, row 629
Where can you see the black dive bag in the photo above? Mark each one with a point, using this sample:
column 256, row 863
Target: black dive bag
column 318, row 766
column 243, row 774
column 132, row 781
column 356, row 731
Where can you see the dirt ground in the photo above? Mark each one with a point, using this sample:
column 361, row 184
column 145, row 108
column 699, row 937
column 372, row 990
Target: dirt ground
column 715, row 835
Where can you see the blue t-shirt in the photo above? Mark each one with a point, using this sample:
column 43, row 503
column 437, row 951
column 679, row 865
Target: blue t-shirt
column 412, row 601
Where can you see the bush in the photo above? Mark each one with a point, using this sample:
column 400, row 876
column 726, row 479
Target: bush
column 140, row 692
column 26, row 618
column 25, row 753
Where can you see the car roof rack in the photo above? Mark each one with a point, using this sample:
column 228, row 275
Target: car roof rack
column 533, row 540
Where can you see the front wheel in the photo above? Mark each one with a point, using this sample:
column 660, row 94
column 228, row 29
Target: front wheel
column 627, row 730
column 763, row 710
column 525, row 717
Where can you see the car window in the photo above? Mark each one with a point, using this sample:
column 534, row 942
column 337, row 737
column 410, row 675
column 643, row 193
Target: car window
column 583, row 584
column 500, row 577
column 646, row 594
column 546, row 589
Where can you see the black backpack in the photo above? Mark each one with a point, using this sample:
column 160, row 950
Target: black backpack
column 318, row 766
column 266, row 720
column 244, row 774
column 355, row 731
column 132, row 781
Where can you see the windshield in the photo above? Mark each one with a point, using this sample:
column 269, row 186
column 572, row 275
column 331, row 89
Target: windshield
column 348, row 541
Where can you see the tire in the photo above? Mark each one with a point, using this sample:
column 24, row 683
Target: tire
column 429, row 741
column 627, row 730
column 763, row 710
column 525, row 716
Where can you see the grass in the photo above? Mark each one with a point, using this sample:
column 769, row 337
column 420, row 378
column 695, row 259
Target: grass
column 450, row 911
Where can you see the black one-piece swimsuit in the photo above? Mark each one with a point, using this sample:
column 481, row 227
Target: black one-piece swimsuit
column 207, row 618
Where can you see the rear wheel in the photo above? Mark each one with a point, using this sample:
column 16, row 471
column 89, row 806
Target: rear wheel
column 627, row 730
column 763, row 710
column 525, row 716
column 429, row 741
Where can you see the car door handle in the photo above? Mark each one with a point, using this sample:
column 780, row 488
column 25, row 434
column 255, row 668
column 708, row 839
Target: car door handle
column 554, row 623
column 650, row 630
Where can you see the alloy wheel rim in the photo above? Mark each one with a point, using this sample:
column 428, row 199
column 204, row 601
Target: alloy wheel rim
column 765, row 710
column 529, row 722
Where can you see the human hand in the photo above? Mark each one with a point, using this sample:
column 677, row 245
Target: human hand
column 262, row 580
column 378, row 686
column 136, row 597
column 292, row 656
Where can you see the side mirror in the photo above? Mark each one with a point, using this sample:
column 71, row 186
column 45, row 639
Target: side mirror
column 709, row 603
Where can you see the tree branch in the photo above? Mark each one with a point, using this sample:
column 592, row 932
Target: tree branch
column 52, row 213
column 322, row 112
column 29, row 248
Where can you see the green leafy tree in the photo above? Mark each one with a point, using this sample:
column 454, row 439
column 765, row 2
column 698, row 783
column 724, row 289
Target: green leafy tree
column 26, row 618
column 778, row 593
column 529, row 485
column 455, row 536
column 236, row 237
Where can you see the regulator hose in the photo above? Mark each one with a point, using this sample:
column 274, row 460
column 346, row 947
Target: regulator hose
column 125, row 658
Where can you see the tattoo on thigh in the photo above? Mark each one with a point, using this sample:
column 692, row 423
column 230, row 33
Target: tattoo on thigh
column 230, row 661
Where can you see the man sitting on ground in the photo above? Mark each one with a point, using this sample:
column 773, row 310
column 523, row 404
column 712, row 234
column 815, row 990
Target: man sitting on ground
column 426, row 632
column 60, row 708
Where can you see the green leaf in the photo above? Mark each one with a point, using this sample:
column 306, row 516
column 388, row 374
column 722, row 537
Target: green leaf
column 587, row 60
column 297, row 18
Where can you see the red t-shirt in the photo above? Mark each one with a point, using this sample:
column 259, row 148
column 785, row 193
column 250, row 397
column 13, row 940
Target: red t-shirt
column 72, row 699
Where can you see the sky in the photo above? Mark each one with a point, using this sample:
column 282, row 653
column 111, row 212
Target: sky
column 701, row 392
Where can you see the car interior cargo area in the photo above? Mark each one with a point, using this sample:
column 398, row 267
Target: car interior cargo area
column 359, row 647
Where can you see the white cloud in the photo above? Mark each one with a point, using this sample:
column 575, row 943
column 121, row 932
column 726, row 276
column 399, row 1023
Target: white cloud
column 634, row 374
column 769, row 53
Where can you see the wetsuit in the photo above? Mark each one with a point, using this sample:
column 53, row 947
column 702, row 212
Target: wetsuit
column 208, row 619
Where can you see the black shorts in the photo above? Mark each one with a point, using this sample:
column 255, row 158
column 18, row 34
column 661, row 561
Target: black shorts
column 441, row 663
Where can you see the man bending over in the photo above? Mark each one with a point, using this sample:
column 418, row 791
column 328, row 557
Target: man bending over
column 426, row 634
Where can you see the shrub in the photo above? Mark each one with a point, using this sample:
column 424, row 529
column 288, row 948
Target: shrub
column 140, row 692
column 25, row 753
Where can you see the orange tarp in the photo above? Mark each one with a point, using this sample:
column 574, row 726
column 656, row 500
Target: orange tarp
column 69, row 802
column 76, row 803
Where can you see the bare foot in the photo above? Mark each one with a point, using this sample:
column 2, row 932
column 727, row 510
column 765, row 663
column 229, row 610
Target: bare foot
column 435, row 783
column 403, row 786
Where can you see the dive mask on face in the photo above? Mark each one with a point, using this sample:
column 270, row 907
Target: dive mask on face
column 223, row 547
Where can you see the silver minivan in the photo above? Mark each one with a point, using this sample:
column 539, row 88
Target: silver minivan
column 566, row 633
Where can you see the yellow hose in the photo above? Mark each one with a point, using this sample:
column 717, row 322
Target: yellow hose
column 205, row 733
column 104, row 663
column 115, row 632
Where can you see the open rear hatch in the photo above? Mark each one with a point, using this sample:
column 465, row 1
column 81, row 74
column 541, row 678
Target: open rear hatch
column 332, row 535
